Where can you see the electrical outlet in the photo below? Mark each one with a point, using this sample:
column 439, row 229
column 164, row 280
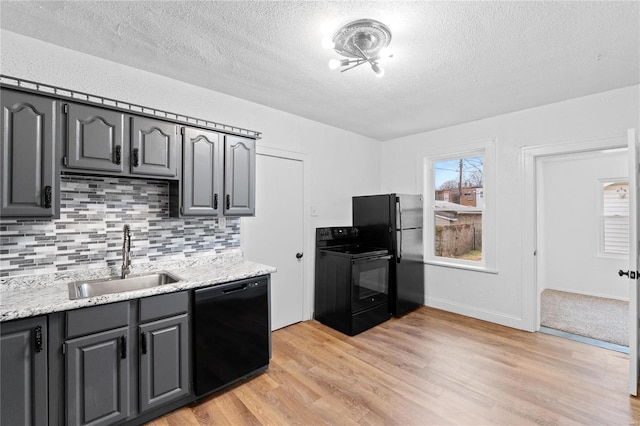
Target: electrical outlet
column 222, row 222
column 314, row 211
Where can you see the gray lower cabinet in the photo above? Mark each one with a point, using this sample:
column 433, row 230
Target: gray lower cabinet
column 114, row 376
column 154, row 147
column 239, row 176
column 29, row 185
column 23, row 359
column 164, row 361
column 203, row 163
column 95, row 138
column 97, row 373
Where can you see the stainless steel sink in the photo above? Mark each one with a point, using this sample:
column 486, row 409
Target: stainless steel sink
column 84, row 289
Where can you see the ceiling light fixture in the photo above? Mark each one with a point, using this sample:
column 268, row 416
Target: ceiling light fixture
column 363, row 41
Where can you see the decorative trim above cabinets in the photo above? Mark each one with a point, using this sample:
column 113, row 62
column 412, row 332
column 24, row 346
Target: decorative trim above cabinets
column 82, row 97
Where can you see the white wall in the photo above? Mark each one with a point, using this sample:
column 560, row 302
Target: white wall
column 499, row 297
column 570, row 192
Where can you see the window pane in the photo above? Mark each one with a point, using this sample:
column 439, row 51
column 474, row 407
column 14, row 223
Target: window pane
column 615, row 216
column 459, row 202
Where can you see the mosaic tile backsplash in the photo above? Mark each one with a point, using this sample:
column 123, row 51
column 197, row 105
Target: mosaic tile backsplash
column 88, row 234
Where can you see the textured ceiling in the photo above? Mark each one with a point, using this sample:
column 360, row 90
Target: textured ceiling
column 454, row 61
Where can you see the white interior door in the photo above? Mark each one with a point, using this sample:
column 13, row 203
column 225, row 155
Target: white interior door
column 276, row 234
column 634, row 261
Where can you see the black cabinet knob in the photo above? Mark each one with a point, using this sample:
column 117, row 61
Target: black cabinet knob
column 37, row 334
column 118, row 159
column 299, row 255
column 47, row 197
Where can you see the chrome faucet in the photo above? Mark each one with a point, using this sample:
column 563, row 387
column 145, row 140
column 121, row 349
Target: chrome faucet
column 126, row 252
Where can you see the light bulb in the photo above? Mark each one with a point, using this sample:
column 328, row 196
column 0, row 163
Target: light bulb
column 379, row 71
column 385, row 53
column 327, row 43
column 334, row 64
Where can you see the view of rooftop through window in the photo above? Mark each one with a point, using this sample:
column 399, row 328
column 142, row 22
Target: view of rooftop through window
column 459, row 201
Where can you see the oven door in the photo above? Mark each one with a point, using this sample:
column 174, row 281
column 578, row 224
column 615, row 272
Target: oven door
column 369, row 282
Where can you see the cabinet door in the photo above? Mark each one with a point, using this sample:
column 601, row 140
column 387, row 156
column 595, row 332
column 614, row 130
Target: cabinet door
column 23, row 358
column 95, row 138
column 202, row 173
column 97, row 378
column 27, row 156
column 154, row 147
column 239, row 176
column 164, row 361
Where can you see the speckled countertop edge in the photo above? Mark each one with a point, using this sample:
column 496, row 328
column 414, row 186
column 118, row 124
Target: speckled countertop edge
column 32, row 295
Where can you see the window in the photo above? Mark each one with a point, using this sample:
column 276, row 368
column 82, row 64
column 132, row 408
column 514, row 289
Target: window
column 614, row 226
column 459, row 225
column 458, row 221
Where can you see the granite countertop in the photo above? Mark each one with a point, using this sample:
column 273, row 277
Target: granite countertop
column 31, row 295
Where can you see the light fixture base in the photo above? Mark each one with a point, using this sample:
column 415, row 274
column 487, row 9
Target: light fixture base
column 367, row 35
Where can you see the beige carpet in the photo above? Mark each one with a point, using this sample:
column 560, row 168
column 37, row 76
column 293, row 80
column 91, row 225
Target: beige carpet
column 595, row 317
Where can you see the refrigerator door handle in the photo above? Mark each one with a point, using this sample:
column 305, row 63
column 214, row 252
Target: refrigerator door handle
column 399, row 229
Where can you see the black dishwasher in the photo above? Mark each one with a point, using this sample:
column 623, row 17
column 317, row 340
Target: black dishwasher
column 232, row 333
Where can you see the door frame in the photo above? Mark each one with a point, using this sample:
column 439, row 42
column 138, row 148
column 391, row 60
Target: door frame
column 307, row 241
column 530, row 157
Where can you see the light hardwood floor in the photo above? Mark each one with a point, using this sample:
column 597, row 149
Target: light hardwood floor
column 429, row 367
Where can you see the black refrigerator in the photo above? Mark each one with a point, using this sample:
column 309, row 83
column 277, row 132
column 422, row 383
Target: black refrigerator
column 394, row 221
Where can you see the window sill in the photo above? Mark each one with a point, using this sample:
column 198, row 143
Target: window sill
column 612, row 256
column 473, row 268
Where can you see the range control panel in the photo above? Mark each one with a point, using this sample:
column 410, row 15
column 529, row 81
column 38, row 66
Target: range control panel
column 336, row 233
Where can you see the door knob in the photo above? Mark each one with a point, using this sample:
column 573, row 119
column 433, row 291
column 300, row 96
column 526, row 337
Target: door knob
column 621, row 273
column 299, row 255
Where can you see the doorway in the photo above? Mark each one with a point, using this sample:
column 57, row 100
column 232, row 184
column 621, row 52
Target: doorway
column 579, row 246
column 275, row 236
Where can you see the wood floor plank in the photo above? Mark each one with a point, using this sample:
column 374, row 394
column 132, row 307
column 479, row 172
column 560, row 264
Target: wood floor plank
column 428, row 367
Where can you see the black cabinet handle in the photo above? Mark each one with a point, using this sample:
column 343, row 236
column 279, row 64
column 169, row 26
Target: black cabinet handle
column 228, row 201
column 299, row 255
column 123, row 347
column 136, row 159
column 215, row 201
column 37, row 337
column 621, row 273
column 143, row 343
column 47, row 197
column 118, row 154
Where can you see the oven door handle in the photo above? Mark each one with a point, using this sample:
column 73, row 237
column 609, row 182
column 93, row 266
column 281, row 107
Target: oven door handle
column 371, row 259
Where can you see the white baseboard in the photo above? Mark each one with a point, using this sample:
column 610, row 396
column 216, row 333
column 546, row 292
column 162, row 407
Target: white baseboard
column 475, row 312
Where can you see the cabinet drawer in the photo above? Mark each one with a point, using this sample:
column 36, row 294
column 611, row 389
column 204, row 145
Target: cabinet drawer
column 163, row 305
column 97, row 318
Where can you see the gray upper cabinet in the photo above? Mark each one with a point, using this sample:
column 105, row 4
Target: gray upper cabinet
column 202, row 173
column 164, row 361
column 239, row 176
column 154, row 147
column 104, row 141
column 95, row 138
column 23, row 358
column 29, row 185
column 97, row 370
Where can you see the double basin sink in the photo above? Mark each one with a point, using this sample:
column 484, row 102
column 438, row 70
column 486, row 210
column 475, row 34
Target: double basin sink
column 84, row 289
